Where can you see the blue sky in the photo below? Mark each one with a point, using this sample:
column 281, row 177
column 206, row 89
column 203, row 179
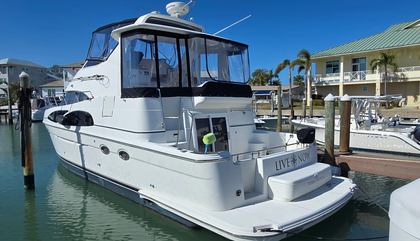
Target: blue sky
column 58, row 32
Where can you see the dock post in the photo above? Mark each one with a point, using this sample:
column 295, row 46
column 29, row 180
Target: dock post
column 329, row 129
column 279, row 112
column 311, row 107
column 345, row 113
column 25, row 132
column 9, row 103
column 304, row 107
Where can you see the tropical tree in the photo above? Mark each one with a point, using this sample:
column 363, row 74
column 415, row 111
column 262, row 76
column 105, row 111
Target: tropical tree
column 298, row 80
column 261, row 77
column 304, row 63
column 385, row 60
column 281, row 67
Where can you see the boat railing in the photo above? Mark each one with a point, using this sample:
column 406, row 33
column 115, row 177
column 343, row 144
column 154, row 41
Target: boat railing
column 238, row 157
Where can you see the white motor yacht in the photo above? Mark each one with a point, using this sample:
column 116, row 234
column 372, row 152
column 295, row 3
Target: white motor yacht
column 165, row 118
column 369, row 130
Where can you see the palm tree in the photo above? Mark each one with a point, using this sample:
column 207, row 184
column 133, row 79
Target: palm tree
column 304, row 63
column 281, row 67
column 385, row 60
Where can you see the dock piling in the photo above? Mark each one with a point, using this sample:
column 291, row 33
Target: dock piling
column 279, row 111
column 345, row 113
column 329, row 129
column 25, row 131
column 9, row 104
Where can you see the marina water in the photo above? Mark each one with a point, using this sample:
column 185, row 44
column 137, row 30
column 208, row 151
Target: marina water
column 66, row 207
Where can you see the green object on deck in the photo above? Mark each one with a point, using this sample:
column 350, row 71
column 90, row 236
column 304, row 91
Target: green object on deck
column 209, row 138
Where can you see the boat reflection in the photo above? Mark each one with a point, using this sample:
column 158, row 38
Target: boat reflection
column 79, row 210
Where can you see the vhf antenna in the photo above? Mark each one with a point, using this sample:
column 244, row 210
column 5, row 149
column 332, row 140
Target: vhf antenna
column 233, row 24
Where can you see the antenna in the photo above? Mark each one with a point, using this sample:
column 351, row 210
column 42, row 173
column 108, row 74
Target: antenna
column 178, row 9
column 233, row 24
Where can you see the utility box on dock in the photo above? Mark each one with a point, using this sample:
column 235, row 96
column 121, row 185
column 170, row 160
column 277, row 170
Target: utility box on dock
column 404, row 213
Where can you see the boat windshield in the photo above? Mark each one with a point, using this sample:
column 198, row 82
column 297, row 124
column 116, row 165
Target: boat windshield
column 217, row 60
column 154, row 61
column 102, row 44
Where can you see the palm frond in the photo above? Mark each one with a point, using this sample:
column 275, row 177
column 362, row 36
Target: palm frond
column 281, row 66
column 304, row 55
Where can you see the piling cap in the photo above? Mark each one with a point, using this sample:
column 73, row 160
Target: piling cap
column 24, row 80
column 345, row 97
column 329, row 97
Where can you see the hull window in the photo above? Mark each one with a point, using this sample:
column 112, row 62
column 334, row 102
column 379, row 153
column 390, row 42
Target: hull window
column 57, row 116
column 77, row 118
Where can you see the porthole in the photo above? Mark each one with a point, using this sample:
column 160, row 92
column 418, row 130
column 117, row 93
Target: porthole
column 105, row 149
column 124, row 155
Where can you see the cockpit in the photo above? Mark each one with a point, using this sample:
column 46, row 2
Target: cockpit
column 168, row 63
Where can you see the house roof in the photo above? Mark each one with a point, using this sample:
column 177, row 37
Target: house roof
column 397, row 35
column 271, row 87
column 78, row 64
column 52, row 84
column 12, row 61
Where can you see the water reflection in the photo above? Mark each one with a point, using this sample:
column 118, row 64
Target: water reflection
column 80, row 210
column 66, row 207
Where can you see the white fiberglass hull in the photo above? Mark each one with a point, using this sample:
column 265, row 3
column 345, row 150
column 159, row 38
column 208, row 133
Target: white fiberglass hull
column 165, row 183
column 371, row 140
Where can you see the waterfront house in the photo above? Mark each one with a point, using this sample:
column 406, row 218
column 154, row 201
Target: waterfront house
column 52, row 89
column 346, row 69
column 10, row 69
column 268, row 93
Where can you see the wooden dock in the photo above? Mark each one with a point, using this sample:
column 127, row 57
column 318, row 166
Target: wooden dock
column 391, row 166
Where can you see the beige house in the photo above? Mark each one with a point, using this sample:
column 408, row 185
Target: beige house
column 346, row 69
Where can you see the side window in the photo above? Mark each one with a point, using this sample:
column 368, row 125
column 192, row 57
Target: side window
column 138, row 61
column 77, row 118
column 168, row 62
column 72, row 97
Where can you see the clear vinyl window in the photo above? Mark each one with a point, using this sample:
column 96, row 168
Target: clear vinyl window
column 138, row 61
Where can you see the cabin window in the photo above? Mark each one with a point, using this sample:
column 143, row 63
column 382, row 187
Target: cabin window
column 102, row 43
column 218, row 61
column 168, row 62
column 139, row 66
column 72, row 97
column 218, row 126
column 77, row 118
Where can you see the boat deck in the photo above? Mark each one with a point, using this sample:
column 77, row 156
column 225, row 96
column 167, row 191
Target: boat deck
column 270, row 218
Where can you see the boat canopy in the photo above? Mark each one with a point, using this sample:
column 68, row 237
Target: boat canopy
column 102, row 44
column 178, row 64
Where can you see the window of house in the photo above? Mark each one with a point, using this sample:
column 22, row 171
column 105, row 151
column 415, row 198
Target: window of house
column 358, row 64
column 365, row 89
column 332, row 67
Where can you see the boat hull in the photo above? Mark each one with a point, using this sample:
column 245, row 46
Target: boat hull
column 379, row 141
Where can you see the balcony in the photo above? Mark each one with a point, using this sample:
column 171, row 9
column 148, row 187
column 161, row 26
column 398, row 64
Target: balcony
column 403, row 74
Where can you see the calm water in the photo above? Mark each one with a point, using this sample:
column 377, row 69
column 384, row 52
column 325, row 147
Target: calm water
column 65, row 207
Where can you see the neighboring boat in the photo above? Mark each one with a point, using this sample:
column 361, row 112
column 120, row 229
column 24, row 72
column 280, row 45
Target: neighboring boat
column 164, row 117
column 39, row 105
column 369, row 130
